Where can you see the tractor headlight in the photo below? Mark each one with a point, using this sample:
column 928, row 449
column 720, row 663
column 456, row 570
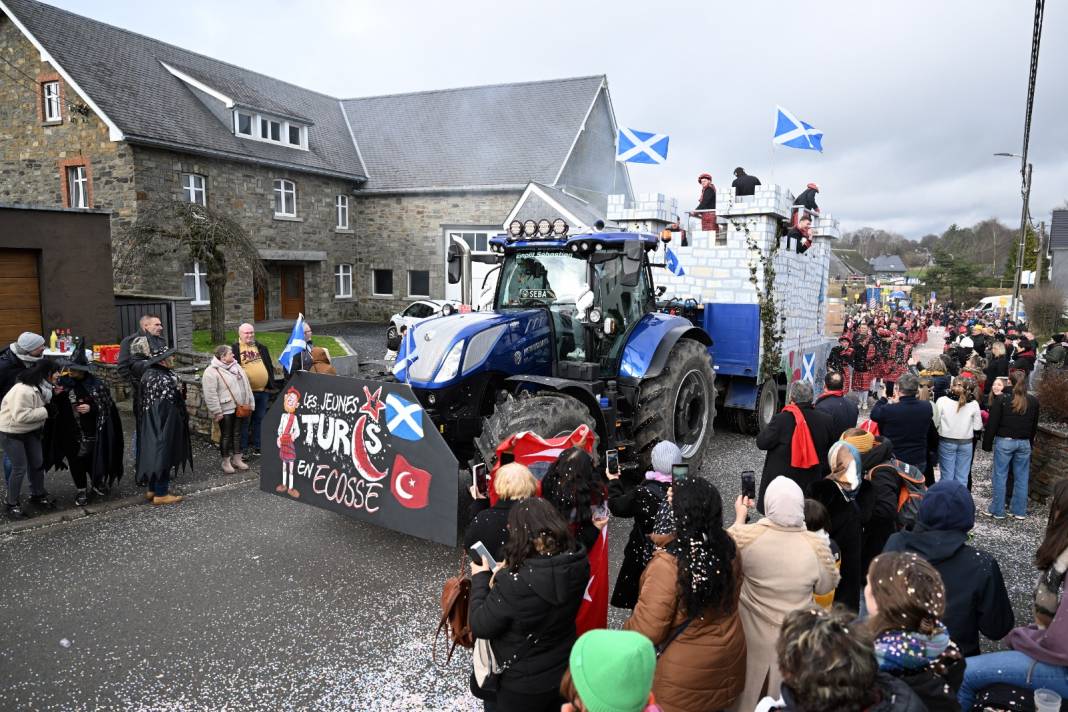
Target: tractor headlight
column 529, row 228
column 451, row 365
column 559, row 227
column 595, row 315
column 544, row 228
column 515, row 228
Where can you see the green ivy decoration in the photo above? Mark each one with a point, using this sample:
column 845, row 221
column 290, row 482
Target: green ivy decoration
column 772, row 324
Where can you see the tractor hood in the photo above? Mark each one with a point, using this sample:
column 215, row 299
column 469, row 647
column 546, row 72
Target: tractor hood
column 449, row 348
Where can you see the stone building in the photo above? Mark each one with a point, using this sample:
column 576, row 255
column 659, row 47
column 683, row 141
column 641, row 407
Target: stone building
column 351, row 202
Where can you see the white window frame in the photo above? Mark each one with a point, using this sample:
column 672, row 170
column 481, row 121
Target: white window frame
column 200, row 297
column 280, row 191
column 377, row 269
column 77, row 187
column 343, row 280
column 193, row 192
column 413, row 294
column 259, row 121
column 53, row 108
column 341, row 211
column 475, row 234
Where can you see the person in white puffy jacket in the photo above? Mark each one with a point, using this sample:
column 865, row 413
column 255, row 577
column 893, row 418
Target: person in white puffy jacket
column 23, row 414
column 226, row 387
column 957, row 417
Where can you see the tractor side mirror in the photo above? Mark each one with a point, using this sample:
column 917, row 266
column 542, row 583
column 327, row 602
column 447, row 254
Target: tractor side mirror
column 660, row 291
column 456, row 264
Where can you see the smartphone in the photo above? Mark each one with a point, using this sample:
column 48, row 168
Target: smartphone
column 612, row 461
column 749, row 484
column 600, row 511
column 680, row 471
column 479, row 479
column 481, row 555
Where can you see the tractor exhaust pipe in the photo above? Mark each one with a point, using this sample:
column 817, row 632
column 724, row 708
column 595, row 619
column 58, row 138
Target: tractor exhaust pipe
column 460, row 268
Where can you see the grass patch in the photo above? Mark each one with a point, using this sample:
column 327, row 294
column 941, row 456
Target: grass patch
column 275, row 341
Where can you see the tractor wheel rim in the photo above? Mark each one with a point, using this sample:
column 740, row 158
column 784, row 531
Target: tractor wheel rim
column 690, row 413
column 767, row 403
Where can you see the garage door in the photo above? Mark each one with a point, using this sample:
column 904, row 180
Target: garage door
column 20, row 295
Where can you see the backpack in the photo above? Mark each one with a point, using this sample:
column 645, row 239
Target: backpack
column 455, row 597
column 1055, row 355
column 912, row 487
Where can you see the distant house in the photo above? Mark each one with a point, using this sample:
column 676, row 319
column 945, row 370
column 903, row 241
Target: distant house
column 1058, row 250
column 888, row 266
column 351, row 202
column 848, row 264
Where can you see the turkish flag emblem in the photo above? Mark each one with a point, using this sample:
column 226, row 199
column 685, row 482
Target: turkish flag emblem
column 410, row 485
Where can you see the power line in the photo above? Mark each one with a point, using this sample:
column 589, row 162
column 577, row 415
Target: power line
column 31, row 82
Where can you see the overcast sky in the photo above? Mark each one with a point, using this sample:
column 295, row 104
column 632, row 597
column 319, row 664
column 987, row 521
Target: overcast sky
column 913, row 96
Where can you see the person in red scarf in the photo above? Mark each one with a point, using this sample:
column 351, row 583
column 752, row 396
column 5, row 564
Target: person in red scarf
column 835, row 403
column 797, row 441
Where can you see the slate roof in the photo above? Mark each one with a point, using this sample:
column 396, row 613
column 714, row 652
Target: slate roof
column 888, row 263
column 121, row 72
column 1058, row 230
column 851, row 262
column 533, row 207
column 500, row 136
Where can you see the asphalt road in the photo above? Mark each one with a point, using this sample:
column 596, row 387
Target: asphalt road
column 235, row 599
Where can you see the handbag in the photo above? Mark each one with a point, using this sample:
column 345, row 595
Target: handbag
column 671, row 638
column 240, row 409
column 455, row 597
column 487, row 670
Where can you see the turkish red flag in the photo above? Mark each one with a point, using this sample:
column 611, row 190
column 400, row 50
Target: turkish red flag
column 410, row 484
column 593, row 613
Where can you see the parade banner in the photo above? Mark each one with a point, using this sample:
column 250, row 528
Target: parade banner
column 361, row 448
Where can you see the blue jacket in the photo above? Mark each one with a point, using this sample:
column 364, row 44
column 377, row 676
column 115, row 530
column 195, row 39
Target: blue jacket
column 906, row 424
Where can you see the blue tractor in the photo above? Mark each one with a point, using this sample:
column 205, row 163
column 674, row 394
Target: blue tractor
column 574, row 337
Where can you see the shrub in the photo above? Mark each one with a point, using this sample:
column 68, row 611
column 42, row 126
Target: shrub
column 1053, row 394
column 1045, row 308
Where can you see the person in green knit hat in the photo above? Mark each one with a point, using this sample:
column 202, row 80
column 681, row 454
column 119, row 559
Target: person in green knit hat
column 610, row 671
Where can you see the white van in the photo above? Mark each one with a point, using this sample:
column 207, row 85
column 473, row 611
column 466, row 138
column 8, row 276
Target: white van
column 999, row 304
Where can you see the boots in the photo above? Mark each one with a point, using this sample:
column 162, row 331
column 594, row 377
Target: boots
column 227, row 467
column 238, row 463
column 167, row 499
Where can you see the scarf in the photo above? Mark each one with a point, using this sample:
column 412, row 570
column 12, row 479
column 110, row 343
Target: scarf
column 847, row 475
column 902, row 651
column 658, row 477
column 784, row 503
column 234, row 368
column 829, row 394
column 802, row 449
column 46, row 391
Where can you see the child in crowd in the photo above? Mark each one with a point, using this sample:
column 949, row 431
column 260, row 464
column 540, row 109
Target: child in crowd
column 817, row 520
column 610, row 670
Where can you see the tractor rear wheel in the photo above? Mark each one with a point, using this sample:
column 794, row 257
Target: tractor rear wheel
column 678, row 405
column 546, row 413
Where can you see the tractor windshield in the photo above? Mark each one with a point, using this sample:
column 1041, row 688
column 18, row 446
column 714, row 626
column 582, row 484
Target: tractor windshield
column 542, row 278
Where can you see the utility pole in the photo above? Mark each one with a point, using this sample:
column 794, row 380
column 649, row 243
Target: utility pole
column 994, row 255
column 1023, row 241
column 1041, row 251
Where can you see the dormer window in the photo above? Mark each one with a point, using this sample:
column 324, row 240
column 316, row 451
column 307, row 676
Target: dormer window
column 261, row 127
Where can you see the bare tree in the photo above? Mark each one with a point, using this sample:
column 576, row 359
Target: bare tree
column 176, row 229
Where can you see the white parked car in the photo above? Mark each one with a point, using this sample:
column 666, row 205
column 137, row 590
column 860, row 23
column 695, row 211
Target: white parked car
column 416, row 312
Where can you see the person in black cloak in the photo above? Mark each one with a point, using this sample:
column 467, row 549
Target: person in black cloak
column 87, row 432
column 163, row 428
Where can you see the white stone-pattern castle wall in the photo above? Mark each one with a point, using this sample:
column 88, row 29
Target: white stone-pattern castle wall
column 718, row 265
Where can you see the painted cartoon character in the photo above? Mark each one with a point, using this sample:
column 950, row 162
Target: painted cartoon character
column 288, row 432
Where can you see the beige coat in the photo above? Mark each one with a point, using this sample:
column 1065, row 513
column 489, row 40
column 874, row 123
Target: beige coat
column 782, row 567
column 22, row 410
column 217, row 397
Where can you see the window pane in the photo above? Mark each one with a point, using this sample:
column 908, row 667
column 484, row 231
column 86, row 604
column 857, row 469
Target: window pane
column 419, row 283
column 203, row 294
column 482, row 242
column 337, row 285
column 244, row 124
column 276, row 131
column 265, row 130
column 382, row 281
column 294, row 135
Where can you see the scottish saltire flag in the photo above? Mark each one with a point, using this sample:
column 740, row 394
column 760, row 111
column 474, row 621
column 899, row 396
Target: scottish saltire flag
column 406, row 356
column 295, row 345
column 791, row 131
column 404, row 418
column 671, row 261
column 641, row 147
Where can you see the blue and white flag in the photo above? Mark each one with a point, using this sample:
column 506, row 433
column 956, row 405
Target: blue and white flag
column 295, row 345
column 791, row 131
column 671, row 261
column 641, row 147
column 404, row 418
column 406, row 356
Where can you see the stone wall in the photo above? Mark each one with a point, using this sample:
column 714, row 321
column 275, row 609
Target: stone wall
column 1049, row 462
column 407, row 232
column 34, row 153
column 246, row 193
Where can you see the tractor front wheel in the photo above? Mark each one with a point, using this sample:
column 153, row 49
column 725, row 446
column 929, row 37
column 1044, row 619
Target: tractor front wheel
column 545, row 413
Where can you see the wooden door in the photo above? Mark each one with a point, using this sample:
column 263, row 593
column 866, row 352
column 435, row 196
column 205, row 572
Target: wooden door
column 292, row 290
column 259, row 311
column 20, row 295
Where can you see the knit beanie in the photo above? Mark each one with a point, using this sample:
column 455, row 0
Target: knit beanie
column 28, row 341
column 665, row 454
column 863, row 443
column 613, row 670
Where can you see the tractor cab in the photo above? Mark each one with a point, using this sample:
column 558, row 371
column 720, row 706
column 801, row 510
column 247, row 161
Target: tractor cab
column 596, row 288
